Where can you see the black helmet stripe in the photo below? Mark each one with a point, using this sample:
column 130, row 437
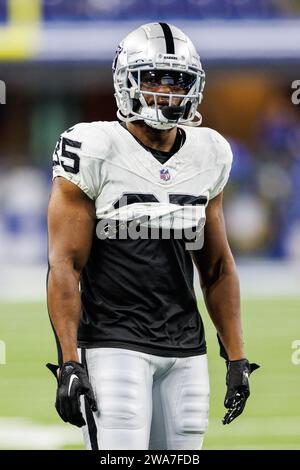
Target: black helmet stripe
column 169, row 38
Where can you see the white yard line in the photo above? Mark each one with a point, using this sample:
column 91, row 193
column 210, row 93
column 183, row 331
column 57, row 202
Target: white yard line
column 20, row 433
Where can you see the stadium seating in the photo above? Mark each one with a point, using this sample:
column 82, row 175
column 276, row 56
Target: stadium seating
column 64, row 10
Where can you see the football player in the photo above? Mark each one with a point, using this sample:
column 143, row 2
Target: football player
column 130, row 202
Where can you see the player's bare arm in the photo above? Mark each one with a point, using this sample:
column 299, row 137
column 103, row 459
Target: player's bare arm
column 71, row 219
column 219, row 280
column 220, row 286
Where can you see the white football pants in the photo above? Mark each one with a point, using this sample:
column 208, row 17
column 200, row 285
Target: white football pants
column 145, row 401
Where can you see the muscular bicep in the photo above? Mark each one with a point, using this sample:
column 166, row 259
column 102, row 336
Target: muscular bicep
column 71, row 220
column 215, row 256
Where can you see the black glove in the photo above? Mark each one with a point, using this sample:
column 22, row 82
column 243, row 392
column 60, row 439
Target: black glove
column 72, row 382
column 238, row 390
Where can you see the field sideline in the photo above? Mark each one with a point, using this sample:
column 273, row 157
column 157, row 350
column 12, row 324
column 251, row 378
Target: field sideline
column 271, row 419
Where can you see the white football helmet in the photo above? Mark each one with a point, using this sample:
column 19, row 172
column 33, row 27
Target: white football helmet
column 164, row 51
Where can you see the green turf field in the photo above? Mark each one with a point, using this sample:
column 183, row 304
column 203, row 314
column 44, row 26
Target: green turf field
column 271, row 419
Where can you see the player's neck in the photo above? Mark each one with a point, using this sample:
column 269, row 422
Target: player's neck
column 157, row 139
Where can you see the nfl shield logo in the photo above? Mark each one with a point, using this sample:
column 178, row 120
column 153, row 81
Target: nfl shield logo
column 164, row 174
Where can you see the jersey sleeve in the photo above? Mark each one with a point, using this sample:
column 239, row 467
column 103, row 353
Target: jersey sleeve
column 223, row 156
column 73, row 159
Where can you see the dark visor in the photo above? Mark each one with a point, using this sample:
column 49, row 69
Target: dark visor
column 165, row 77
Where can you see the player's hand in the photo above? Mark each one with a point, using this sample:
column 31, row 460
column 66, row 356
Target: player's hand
column 72, row 381
column 238, row 390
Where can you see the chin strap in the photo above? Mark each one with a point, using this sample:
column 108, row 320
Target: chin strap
column 159, row 124
column 195, row 123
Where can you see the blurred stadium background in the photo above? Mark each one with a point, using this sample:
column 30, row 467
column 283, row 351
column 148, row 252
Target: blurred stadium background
column 55, row 59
